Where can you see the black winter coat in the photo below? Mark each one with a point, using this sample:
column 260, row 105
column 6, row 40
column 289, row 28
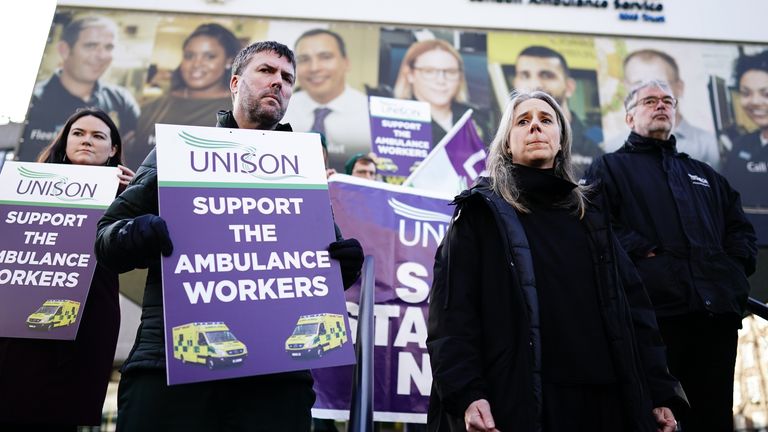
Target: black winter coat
column 483, row 332
column 688, row 214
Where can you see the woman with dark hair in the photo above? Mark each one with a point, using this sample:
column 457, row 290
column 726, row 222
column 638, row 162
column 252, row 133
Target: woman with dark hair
column 199, row 87
column 537, row 319
column 746, row 166
column 102, row 146
column 58, row 384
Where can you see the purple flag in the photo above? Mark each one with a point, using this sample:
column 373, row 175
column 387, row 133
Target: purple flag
column 455, row 162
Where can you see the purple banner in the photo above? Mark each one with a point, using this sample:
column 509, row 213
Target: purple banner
column 250, row 288
column 46, row 267
column 401, row 228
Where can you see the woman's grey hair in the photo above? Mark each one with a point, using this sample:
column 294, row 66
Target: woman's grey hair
column 500, row 159
column 632, row 95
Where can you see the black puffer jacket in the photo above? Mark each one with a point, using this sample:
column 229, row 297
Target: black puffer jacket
column 138, row 199
column 484, row 337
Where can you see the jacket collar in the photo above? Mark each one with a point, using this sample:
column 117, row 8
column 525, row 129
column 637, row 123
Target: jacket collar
column 226, row 119
column 640, row 143
column 536, row 185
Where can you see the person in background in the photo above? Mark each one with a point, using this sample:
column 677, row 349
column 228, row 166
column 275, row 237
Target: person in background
column 683, row 225
column 747, row 164
column 326, row 103
column 86, row 49
column 537, row 318
column 199, row 86
column 361, row 165
column 650, row 64
column 132, row 235
column 433, row 71
column 542, row 68
column 58, row 384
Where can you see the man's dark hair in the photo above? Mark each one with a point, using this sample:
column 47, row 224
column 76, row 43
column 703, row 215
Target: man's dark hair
column 544, row 52
column 244, row 56
column 746, row 63
column 71, row 32
column 648, row 54
column 315, row 32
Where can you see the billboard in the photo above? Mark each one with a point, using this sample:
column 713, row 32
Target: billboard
column 145, row 68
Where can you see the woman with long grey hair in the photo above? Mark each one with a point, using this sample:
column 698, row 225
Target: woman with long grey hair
column 538, row 320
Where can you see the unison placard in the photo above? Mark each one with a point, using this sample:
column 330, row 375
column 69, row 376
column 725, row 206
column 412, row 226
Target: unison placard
column 250, row 288
column 48, row 216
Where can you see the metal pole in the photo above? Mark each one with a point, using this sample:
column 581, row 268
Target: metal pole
column 758, row 308
column 361, row 411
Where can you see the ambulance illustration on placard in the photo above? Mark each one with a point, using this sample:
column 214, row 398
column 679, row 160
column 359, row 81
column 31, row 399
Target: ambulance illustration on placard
column 316, row 334
column 385, row 164
column 54, row 313
column 209, row 343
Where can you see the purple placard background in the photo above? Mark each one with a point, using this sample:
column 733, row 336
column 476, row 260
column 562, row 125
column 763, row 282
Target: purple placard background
column 405, row 163
column 262, row 325
column 364, row 213
column 17, row 302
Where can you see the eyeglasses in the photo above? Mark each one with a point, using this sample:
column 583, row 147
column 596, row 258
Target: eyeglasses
column 451, row 74
column 653, row 101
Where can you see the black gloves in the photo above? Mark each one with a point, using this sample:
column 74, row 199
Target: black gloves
column 145, row 237
column 350, row 256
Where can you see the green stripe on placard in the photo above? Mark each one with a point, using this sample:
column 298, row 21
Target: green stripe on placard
column 62, row 205
column 220, row 185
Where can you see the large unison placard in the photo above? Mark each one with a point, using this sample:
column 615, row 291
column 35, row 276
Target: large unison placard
column 250, row 288
column 48, row 216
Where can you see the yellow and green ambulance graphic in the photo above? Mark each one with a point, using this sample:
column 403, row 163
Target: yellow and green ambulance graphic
column 316, row 334
column 209, row 343
column 54, row 313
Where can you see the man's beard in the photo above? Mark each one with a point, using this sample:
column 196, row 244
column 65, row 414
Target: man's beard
column 265, row 116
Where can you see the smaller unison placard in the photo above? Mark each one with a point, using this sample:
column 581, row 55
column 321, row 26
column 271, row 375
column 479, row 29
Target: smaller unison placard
column 401, row 135
column 48, row 217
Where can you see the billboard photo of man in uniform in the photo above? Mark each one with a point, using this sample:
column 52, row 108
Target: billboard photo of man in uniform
column 85, row 48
